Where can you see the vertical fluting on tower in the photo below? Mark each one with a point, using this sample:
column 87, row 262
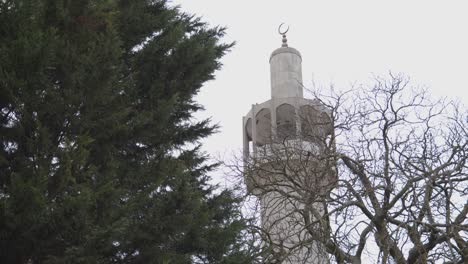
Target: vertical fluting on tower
column 284, row 148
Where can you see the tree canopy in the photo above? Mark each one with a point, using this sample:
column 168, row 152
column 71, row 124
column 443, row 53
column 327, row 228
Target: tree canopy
column 100, row 159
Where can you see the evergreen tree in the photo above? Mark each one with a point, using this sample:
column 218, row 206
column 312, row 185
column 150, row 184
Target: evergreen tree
column 99, row 158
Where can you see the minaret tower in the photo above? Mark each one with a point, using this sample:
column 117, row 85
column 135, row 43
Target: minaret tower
column 286, row 162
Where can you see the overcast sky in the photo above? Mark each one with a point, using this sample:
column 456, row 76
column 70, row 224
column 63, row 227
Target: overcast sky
column 341, row 42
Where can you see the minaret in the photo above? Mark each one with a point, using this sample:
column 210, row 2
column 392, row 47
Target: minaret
column 286, row 163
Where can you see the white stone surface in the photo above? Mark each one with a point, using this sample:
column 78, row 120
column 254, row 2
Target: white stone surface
column 280, row 214
column 286, row 73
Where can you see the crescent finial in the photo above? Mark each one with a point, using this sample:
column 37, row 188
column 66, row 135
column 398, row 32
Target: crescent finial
column 283, row 33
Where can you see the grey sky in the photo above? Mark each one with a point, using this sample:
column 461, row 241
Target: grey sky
column 341, row 42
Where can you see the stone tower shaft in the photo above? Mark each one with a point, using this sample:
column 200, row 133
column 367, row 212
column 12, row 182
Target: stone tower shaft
column 285, row 143
column 286, row 73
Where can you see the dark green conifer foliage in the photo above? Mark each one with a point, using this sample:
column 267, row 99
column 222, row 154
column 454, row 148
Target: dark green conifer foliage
column 99, row 154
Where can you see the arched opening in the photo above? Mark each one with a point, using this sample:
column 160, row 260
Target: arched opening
column 285, row 122
column 263, row 126
column 315, row 125
column 248, row 129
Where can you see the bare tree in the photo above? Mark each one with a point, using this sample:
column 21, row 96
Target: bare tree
column 381, row 177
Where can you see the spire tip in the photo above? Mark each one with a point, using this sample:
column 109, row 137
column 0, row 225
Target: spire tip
column 283, row 33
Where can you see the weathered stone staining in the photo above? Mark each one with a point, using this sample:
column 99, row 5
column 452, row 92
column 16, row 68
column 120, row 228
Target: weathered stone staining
column 286, row 73
column 278, row 134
